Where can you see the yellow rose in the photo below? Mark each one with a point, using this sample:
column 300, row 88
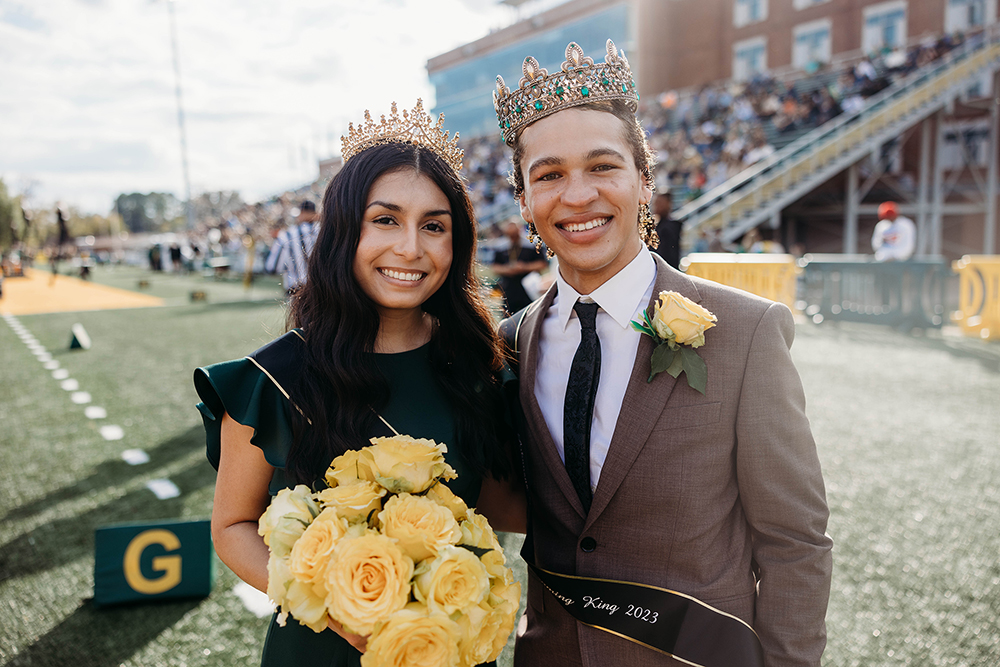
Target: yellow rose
column 420, row 526
column 680, row 317
column 354, row 501
column 314, row 549
column 477, row 634
column 368, row 579
column 505, row 600
column 306, row 606
column 456, row 579
column 405, row 464
column 286, row 518
column 347, row 469
column 476, row 532
column 279, row 578
column 414, row 637
column 496, row 566
column 442, row 495
column 502, row 594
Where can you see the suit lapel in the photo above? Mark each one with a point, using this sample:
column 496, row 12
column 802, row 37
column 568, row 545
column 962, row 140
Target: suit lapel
column 643, row 402
column 528, row 346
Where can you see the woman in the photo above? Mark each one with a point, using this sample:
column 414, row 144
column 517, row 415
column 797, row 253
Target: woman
column 391, row 336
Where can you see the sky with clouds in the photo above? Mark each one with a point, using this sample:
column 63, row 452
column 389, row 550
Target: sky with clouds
column 87, row 88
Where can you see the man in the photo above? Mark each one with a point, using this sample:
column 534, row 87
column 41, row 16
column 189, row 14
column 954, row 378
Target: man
column 292, row 247
column 895, row 236
column 718, row 496
column 668, row 230
column 513, row 263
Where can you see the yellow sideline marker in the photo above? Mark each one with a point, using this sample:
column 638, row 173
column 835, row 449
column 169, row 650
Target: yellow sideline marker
column 37, row 293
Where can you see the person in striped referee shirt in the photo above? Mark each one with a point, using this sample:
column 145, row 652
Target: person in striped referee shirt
column 290, row 252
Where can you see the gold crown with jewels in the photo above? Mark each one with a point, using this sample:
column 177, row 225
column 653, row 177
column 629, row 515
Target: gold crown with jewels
column 579, row 81
column 413, row 127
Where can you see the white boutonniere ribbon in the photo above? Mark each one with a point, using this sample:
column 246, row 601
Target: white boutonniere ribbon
column 678, row 326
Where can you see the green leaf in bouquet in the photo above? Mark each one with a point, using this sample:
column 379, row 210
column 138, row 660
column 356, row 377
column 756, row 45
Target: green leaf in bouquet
column 662, row 360
column 695, row 369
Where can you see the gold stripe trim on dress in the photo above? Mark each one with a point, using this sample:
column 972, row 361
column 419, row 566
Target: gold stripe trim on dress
column 394, row 431
column 655, row 588
column 280, row 388
column 270, row 377
column 296, row 332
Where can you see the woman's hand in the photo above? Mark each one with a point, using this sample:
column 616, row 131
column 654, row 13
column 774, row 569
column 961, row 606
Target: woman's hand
column 357, row 641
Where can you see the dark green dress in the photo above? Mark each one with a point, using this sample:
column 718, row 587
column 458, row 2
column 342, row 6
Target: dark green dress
column 253, row 397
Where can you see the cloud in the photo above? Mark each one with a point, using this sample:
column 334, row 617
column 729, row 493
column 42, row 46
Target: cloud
column 89, row 103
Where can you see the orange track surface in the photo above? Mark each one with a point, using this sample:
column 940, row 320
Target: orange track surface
column 37, row 292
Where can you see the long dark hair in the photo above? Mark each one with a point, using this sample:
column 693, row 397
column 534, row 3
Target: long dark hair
column 338, row 387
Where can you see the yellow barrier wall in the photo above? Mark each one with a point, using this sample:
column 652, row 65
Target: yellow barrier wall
column 770, row 276
column 979, row 296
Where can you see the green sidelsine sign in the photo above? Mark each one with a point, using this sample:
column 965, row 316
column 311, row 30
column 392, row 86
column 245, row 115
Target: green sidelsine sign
column 152, row 561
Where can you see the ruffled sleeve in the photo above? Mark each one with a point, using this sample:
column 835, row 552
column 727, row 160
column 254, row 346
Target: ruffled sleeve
column 251, row 398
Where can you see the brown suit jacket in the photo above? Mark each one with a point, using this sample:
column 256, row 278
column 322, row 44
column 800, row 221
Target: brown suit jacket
column 704, row 495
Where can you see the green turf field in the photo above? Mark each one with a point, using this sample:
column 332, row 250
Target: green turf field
column 908, row 430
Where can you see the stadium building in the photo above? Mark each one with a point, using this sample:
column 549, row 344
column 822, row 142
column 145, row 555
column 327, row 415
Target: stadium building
column 924, row 136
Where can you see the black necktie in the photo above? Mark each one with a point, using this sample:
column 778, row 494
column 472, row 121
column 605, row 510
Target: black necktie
column 578, row 412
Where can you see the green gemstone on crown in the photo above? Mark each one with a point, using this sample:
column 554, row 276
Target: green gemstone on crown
column 560, row 91
column 539, row 105
column 585, row 91
column 605, row 83
column 518, row 109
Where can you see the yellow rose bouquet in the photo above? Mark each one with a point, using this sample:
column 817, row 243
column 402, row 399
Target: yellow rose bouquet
column 678, row 326
column 387, row 550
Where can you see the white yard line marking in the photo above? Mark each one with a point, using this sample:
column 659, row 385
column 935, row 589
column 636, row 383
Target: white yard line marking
column 60, row 374
column 70, row 385
column 51, row 365
column 112, row 432
column 135, row 457
column 163, row 488
column 256, row 602
column 80, row 397
column 95, row 412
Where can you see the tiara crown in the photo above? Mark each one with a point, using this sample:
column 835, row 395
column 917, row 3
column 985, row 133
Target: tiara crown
column 412, row 127
column 579, row 81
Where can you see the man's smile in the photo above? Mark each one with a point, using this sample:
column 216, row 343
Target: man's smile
column 585, row 225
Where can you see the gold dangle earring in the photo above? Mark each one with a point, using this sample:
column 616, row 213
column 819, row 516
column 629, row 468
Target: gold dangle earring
column 536, row 240
column 647, row 227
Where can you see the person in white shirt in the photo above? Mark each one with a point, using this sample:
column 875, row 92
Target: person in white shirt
column 714, row 494
column 290, row 252
column 895, row 236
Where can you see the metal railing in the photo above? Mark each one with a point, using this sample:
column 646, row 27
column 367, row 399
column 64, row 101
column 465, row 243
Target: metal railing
column 900, row 105
column 978, row 312
column 856, row 288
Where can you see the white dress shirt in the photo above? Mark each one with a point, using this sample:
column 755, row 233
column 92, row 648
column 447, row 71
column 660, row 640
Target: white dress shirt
column 620, row 299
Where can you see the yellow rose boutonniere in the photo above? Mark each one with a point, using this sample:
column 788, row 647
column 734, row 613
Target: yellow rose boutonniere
column 678, row 326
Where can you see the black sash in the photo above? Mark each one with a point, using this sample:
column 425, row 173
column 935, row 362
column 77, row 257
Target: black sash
column 665, row 621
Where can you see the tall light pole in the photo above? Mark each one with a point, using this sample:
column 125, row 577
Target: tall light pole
column 189, row 210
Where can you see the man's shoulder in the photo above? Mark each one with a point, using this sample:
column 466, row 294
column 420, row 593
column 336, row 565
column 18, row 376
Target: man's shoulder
column 724, row 300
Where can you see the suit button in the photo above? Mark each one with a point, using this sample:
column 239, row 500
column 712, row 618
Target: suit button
column 588, row 544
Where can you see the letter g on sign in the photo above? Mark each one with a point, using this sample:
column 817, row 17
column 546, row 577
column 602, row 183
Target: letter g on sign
column 170, row 566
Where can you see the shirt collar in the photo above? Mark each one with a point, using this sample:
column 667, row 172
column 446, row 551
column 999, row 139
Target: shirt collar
column 621, row 296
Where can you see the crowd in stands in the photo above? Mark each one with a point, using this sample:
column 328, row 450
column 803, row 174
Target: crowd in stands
column 701, row 139
column 704, row 137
